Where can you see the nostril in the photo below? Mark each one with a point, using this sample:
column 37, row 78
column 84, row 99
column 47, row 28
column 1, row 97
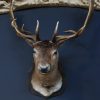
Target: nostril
column 44, row 70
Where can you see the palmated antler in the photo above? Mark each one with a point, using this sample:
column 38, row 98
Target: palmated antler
column 62, row 38
column 21, row 32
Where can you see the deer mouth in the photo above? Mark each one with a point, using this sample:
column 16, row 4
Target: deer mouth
column 48, row 87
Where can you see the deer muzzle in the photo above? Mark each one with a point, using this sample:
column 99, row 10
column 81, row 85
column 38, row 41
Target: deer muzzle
column 44, row 69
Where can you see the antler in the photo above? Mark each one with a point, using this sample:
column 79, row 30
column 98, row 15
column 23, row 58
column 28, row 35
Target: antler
column 76, row 33
column 55, row 32
column 21, row 32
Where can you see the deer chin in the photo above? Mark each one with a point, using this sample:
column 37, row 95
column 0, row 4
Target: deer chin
column 46, row 91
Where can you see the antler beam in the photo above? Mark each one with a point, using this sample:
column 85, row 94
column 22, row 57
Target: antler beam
column 21, row 32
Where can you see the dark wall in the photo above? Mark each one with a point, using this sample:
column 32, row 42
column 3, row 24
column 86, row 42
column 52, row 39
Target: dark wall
column 80, row 56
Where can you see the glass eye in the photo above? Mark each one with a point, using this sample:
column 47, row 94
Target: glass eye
column 55, row 53
column 34, row 51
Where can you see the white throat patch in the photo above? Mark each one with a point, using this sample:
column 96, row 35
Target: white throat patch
column 44, row 91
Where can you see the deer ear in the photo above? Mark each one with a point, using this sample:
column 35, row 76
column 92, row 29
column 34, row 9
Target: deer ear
column 59, row 43
column 60, row 40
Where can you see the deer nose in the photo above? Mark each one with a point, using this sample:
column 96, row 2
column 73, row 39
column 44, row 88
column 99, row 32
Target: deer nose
column 45, row 69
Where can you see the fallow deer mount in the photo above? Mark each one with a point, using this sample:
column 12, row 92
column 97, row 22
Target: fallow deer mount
column 46, row 77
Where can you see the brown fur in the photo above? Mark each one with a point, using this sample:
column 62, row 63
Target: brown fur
column 45, row 56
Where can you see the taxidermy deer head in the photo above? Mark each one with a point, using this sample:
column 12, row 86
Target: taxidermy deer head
column 46, row 77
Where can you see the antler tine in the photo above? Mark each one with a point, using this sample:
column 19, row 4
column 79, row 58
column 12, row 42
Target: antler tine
column 56, row 28
column 15, row 26
column 37, row 27
column 55, row 31
column 37, row 31
column 77, row 33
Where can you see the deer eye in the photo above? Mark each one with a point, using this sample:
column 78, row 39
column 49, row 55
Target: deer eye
column 55, row 52
column 34, row 51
